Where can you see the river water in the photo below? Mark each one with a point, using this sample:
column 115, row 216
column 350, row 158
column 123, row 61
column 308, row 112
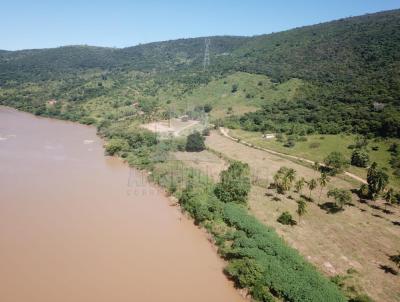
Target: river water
column 78, row 226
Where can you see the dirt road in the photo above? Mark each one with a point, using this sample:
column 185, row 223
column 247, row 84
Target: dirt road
column 225, row 132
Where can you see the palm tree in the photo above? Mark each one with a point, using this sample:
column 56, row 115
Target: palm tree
column 301, row 208
column 316, row 166
column 323, row 181
column 312, row 184
column 341, row 197
column 285, row 183
column 291, row 175
column 277, row 179
column 299, row 185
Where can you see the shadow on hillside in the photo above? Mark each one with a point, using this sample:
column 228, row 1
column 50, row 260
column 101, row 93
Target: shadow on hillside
column 330, row 207
column 388, row 270
column 307, row 198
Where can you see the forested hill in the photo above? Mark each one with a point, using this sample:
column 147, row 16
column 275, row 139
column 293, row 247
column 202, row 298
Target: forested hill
column 346, row 65
column 354, row 53
column 346, row 50
column 175, row 55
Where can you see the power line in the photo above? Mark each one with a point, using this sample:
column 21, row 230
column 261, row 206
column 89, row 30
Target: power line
column 206, row 61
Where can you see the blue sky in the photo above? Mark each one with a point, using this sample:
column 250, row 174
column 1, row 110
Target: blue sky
column 118, row 23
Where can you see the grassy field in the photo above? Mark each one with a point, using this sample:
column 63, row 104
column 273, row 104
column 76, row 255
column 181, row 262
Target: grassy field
column 326, row 144
column 252, row 91
column 357, row 240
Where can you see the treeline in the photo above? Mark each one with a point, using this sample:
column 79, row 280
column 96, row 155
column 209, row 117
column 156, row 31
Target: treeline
column 306, row 117
column 259, row 259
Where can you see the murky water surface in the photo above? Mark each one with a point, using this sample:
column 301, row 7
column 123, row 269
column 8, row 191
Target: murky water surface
column 77, row 226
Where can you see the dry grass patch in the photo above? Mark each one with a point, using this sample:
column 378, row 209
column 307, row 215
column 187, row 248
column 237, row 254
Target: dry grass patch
column 361, row 237
column 205, row 161
column 175, row 127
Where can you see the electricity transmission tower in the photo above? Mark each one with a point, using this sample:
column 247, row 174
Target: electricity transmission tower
column 206, row 61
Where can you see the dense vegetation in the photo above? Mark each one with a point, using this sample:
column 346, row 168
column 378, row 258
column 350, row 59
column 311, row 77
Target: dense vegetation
column 349, row 69
column 341, row 76
column 259, row 260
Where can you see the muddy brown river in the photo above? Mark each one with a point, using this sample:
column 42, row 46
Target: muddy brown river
column 77, row 226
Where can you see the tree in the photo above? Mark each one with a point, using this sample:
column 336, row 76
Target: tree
column 316, row 166
column 394, row 148
column 299, row 185
column 395, row 259
column 244, row 272
column 234, row 185
column 323, row 181
column 312, row 184
column 336, row 162
column 359, row 158
column 207, row 108
column 116, row 145
column 377, row 180
column 286, row 219
column 390, row 197
column 195, row 142
column 301, row 208
column 342, row 197
column 291, row 175
column 284, row 178
column 363, row 191
column 234, row 88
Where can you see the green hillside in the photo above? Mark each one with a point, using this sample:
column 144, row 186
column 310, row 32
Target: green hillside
column 319, row 88
column 345, row 76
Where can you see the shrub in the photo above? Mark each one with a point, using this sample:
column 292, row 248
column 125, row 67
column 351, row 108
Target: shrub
column 361, row 298
column 359, row 158
column 195, row 142
column 314, row 145
column 342, row 197
column 286, row 219
column 336, row 162
column 87, row 120
column 289, row 143
column 279, row 137
column 234, row 88
column 207, row 108
column 116, row 145
column 244, row 272
column 363, row 191
column 287, row 274
column 235, row 183
column 206, row 132
column 394, row 148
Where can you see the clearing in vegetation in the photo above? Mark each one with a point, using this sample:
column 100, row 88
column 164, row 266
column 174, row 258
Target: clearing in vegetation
column 175, row 127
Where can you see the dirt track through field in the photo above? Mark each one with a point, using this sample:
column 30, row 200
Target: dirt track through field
column 225, row 132
column 361, row 237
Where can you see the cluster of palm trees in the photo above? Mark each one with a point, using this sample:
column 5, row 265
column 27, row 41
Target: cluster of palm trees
column 285, row 178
